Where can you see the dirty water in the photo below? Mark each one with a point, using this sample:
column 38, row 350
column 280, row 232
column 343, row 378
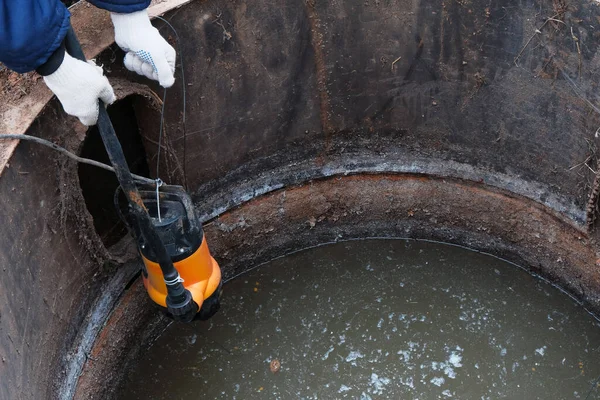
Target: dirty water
column 379, row 319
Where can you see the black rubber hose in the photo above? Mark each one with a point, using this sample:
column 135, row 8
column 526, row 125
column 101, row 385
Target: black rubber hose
column 179, row 299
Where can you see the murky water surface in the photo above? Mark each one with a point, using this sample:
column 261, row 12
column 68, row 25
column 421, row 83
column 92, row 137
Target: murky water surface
column 380, row 319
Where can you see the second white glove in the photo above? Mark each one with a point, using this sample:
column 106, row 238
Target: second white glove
column 148, row 53
column 78, row 86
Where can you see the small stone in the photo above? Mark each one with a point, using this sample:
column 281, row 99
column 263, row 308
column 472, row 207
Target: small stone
column 275, row 366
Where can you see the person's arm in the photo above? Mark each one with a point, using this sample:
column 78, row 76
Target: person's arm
column 32, row 33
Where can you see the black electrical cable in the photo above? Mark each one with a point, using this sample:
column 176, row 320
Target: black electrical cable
column 183, row 94
column 67, row 153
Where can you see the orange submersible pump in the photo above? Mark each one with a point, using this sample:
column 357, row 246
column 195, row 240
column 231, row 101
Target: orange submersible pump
column 179, row 273
column 174, row 220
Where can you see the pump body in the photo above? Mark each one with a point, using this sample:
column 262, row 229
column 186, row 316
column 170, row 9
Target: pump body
column 174, row 219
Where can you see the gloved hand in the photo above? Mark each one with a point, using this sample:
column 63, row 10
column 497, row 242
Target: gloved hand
column 148, row 53
column 78, row 85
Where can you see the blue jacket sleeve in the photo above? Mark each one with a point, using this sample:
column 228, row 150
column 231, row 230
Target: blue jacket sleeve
column 121, row 6
column 30, row 31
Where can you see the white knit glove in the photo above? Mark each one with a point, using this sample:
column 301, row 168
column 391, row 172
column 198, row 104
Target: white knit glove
column 148, row 53
column 78, row 85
